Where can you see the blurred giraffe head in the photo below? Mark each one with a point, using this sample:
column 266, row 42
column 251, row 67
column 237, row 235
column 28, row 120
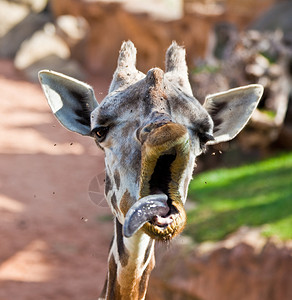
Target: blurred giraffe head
column 151, row 129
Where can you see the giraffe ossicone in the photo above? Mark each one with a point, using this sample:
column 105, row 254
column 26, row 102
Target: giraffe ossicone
column 151, row 129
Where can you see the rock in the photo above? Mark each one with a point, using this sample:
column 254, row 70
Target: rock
column 163, row 10
column 244, row 266
column 46, row 50
column 115, row 20
column 277, row 17
column 18, row 21
column 74, row 32
column 42, row 44
column 34, row 5
column 12, row 40
column 252, row 57
column 10, row 15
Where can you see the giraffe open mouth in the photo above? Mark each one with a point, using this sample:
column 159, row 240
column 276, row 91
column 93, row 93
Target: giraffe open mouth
column 160, row 210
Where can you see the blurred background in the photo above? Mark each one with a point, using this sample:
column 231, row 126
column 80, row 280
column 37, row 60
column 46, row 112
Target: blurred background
column 55, row 226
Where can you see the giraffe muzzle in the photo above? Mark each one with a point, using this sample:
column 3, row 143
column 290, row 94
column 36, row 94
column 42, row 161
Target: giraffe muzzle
column 160, row 210
column 145, row 210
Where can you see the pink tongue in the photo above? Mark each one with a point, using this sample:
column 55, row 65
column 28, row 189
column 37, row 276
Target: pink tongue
column 145, row 210
column 162, row 221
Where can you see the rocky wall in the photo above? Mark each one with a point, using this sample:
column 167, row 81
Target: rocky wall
column 110, row 23
column 244, row 266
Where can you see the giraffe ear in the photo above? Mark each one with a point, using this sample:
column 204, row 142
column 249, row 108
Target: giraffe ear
column 231, row 110
column 71, row 100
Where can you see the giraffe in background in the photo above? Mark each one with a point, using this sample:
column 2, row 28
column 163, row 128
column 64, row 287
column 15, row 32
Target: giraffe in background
column 151, row 129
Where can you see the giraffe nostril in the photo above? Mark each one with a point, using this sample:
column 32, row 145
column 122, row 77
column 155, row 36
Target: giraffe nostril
column 146, row 129
column 142, row 133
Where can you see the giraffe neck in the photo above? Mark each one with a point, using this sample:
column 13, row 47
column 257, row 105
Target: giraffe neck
column 130, row 263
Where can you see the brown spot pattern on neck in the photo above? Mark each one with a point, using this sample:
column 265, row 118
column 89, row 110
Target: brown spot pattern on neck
column 108, row 184
column 126, row 202
column 113, row 288
column 122, row 251
column 117, row 179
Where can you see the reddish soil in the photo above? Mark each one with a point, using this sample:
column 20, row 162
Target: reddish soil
column 53, row 238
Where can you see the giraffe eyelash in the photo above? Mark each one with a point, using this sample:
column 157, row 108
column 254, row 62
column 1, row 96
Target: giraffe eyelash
column 204, row 138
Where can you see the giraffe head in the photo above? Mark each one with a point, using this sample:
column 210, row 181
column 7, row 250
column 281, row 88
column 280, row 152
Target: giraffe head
column 151, row 129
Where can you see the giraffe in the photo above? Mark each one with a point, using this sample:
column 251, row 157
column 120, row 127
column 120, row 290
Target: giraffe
column 151, row 129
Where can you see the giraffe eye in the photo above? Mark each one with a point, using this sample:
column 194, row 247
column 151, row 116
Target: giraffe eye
column 99, row 133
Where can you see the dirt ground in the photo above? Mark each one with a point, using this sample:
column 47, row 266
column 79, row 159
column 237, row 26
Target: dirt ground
column 53, row 238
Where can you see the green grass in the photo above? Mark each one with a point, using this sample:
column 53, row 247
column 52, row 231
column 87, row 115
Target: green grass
column 252, row 195
column 206, row 69
column 269, row 113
